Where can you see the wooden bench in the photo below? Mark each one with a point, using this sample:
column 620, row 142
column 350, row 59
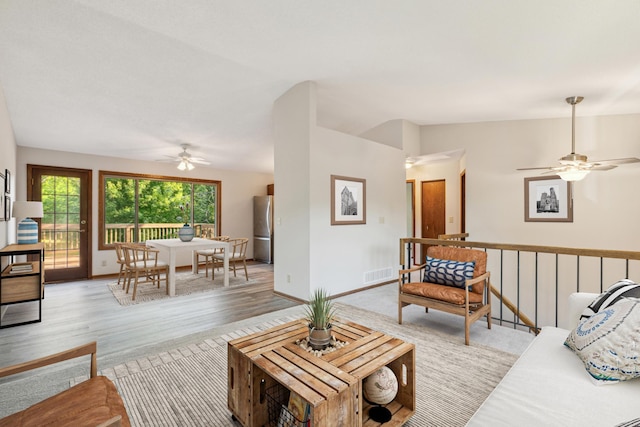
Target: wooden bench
column 94, row 402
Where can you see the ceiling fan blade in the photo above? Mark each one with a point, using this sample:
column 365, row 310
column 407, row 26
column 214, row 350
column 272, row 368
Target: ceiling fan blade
column 597, row 167
column 199, row 161
column 538, row 168
column 616, row 161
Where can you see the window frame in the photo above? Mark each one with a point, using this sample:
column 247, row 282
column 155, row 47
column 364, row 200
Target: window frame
column 103, row 175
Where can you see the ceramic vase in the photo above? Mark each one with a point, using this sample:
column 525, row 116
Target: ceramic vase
column 319, row 339
column 186, row 233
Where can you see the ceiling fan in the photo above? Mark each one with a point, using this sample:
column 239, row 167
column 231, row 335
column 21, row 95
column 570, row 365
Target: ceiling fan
column 574, row 167
column 186, row 160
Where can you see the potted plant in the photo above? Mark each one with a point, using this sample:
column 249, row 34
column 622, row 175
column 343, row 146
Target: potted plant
column 319, row 313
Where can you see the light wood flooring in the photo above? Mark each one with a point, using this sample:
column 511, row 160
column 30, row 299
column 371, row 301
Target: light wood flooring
column 74, row 313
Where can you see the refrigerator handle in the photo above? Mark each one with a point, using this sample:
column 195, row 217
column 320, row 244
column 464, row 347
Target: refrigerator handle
column 270, row 216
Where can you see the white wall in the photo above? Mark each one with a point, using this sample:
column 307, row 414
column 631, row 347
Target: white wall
column 294, row 117
column 605, row 203
column 341, row 254
column 7, row 161
column 238, row 189
column 310, row 252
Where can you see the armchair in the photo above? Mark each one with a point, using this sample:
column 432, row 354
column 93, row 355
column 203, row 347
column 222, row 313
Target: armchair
column 443, row 288
column 94, row 402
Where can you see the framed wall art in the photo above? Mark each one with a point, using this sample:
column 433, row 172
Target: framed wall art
column 348, row 200
column 547, row 199
column 7, row 208
column 7, row 181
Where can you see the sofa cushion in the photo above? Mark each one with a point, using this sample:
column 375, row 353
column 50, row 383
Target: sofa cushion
column 443, row 293
column 448, row 272
column 617, row 291
column 86, row 404
column 608, row 343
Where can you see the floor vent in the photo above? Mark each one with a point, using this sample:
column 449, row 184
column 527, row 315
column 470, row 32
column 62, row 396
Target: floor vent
column 377, row 276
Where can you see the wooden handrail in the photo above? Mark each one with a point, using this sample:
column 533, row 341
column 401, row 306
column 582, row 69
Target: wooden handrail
column 456, row 236
column 600, row 253
column 512, row 307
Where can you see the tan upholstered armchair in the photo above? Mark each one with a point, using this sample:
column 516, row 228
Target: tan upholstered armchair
column 460, row 288
column 94, row 402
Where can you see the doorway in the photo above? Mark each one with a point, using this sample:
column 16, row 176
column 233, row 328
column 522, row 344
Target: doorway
column 65, row 228
column 411, row 217
column 433, row 210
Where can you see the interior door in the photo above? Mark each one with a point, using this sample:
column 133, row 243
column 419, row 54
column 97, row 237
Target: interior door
column 433, row 210
column 65, row 228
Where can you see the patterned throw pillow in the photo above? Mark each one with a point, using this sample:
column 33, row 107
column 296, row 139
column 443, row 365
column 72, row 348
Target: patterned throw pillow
column 617, row 291
column 608, row 343
column 447, row 272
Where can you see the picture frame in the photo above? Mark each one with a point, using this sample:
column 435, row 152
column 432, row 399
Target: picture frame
column 348, row 200
column 7, row 208
column 547, row 199
column 7, row 181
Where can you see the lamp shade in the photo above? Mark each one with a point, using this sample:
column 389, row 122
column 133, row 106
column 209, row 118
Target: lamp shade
column 27, row 228
column 23, row 209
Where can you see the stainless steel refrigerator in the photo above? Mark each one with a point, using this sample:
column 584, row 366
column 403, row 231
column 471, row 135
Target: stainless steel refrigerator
column 263, row 229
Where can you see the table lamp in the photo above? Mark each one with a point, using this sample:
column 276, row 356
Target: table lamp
column 27, row 227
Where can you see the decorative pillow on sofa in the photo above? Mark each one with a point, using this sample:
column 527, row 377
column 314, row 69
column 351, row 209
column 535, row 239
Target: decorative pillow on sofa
column 617, row 291
column 609, row 342
column 447, row 272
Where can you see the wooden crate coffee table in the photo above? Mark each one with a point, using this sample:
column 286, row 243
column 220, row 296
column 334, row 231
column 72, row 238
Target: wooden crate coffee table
column 331, row 384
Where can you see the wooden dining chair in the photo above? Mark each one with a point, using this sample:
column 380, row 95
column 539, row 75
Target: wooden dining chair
column 207, row 254
column 237, row 254
column 143, row 266
column 121, row 262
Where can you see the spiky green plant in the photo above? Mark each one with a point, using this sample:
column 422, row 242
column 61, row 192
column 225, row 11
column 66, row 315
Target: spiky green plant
column 320, row 310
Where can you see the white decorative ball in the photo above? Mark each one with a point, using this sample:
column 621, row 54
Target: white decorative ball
column 380, row 387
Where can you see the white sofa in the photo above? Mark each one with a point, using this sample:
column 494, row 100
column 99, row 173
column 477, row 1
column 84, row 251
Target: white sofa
column 549, row 386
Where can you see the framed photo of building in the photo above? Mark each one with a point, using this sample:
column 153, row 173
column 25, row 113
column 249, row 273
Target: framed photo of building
column 7, row 181
column 348, row 200
column 547, row 199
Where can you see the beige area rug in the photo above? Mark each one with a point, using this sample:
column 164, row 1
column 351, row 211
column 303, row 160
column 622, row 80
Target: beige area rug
column 186, row 283
column 187, row 386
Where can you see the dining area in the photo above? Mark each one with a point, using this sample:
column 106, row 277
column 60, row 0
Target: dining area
column 155, row 261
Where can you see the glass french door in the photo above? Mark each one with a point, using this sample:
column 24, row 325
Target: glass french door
column 65, row 227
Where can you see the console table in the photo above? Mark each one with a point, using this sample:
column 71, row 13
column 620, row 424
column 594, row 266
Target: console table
column 331, row 384
column 22, row 282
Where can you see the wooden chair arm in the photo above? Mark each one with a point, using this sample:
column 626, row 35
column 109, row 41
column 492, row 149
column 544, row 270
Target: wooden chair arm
column 480, row 278
column 412, row 269
column 113, row 422
column 90, row 348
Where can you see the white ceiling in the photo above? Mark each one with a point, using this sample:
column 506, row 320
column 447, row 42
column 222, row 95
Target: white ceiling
column 135, row 78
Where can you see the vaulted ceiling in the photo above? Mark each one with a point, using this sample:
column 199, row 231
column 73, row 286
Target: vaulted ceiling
column 136, row 78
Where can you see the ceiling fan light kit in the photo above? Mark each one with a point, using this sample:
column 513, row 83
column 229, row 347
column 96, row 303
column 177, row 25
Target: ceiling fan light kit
column 185, row 160
column 575, row 167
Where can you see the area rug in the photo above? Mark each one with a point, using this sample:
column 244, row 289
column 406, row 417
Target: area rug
column 186, row 283
column 187, row 386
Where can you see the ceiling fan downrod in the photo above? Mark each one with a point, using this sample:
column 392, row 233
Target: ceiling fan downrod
column 573, row 100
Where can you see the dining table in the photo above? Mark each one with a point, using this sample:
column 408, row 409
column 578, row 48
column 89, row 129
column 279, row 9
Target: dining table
column 168, row 248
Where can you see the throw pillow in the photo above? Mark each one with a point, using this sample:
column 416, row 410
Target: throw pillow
column 617, row 291
column 447, row 272
column 608, row 343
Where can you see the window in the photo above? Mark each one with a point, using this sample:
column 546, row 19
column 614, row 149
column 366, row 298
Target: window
column 135, row 208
